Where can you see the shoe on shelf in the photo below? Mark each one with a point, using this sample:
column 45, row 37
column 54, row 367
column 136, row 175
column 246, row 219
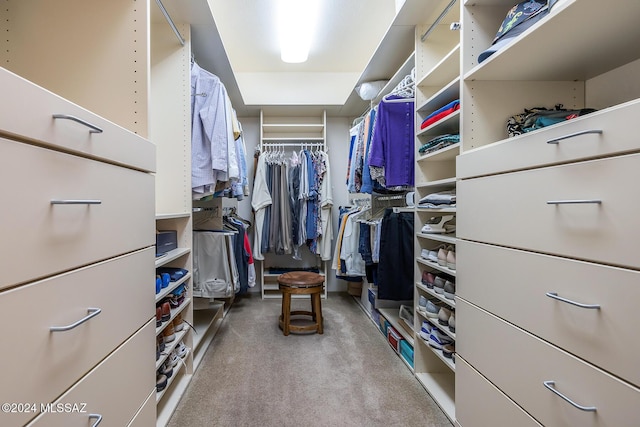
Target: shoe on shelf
column 427, row 279
column 166, row 369
column 448, row 350
column 449, row 290
column 431, row 310
column 451, row 259
column 166, row 311
column 173, row 359
column 158, row 285
column 437, row 339
column 422, row 304
column 157, row 351
column 438, row 285
column 436, row 224
column 160, row 340
column 158, row 317
column 424, row 254
column 425, row 330
column 443, row 316
column 452, row 322
column 181, row 350
column 161, row 382
column 178, row 324
column 169, row 334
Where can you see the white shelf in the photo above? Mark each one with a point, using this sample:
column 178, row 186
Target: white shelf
column 176, row 371
column 445, row 238
column 441, row 97
column 448, row 362
column 434, row 322
column 171, row 255
column 449, row 183
column 444, row 71
column 446, row 153
column 441, row 387
column 393, row 317
column 177, row 215
column 435, row 210
column 448, row 124
column 169, row 347
column 292, row 138
column 434, row 294
column 436, row 266
column 204, row 319
column 174, row 313
column 403, row 71
column 292, row 127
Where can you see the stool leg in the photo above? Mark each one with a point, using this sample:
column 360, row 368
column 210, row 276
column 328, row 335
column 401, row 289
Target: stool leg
column 286, row 312
column 318, row 312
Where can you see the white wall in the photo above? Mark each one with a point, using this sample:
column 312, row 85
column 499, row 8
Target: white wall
column 338, row 145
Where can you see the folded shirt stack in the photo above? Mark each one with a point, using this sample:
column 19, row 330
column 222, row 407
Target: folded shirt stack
column 443, row 199
column 439, row 142
column 440, row 113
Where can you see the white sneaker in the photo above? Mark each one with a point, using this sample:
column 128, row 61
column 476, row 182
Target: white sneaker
column 437, row 339
column 181, row 350
column 422, row 304
column 431, row 310
column 443, row 316
column 425, row 331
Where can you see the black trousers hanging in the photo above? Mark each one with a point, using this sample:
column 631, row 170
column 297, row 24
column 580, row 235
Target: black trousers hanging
column 395, row 269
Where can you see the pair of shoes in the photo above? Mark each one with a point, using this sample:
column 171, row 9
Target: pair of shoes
column 181, row 350
column 163, row 312
column 178, row 324
column 427, row 279
column 447, row 257
column 438, row 224
column 438, row 285
column 448, row 350
column 449, row 290
column 161, row 382
column 452, row 323
column 169, row 333
column 437, row 339
column 425, row 330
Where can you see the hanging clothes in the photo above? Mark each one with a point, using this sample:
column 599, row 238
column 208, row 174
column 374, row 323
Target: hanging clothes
column 395, row 269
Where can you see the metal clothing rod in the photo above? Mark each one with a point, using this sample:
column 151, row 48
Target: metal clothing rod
column 170, row 21
column 437, row 21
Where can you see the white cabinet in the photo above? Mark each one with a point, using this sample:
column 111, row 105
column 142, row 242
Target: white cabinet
column 546, row 229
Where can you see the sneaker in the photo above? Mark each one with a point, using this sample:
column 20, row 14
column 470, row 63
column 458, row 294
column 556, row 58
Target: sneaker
column 437, row 339
column 424, row 254
column 452, row 322
column 449, row 290
column 425, row 331
column 173, row 359
column 433, row 255
column 431, row 310
column 438, row 285
column 422, row 304
column 442, row 256
column 448, row 350
column 169, row 334
column 451, row 259
column 181, row 350
column 443, row 316
column 178, row 324
column 160, row 341
column 158, row 317
column 157, row 351
column 436, row 224
column 158, row 285
column 161, row 382
column 166, row 369
column 166, row 311
column 427, row 279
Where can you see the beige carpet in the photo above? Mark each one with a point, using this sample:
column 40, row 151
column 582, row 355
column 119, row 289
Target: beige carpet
column 252, row 375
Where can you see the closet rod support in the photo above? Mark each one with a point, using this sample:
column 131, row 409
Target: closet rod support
column 170, row 21
column 437, row 21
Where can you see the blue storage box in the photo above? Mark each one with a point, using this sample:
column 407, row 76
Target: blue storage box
column 406, row 351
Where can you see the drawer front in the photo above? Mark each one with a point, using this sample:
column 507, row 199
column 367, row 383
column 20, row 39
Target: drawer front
column 115, row 390
column 474, row 395
column 512, row 210
column 146, row 416
column 513, row 285
column 43, row 364
column 532, row 150
column 518, row 363
column 34, row 121
column 42, row 238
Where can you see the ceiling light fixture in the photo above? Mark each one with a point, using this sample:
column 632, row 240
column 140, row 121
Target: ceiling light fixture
column 296, row 25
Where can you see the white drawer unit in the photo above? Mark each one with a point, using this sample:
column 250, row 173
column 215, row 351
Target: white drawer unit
column 599, row 134
column 553, row 386
column 578, row 210
column 479, row 403
column 585, row 308
column 66, row 211
column 53, row 121
column 43, row 362
column 104, row 399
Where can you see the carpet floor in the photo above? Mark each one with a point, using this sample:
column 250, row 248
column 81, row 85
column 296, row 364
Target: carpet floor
column 253, row 375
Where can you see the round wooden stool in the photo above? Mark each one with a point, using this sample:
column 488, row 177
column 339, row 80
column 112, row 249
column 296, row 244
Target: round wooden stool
column 301, row 283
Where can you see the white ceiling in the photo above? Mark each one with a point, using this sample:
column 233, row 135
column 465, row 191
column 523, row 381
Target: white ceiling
column 347, row 35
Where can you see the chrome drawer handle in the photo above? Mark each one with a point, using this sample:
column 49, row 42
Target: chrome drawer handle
column 554, row 295
column 97, row 417
column 92, row 128
column 76, row 202
column 550, row 384
column 574, row 202
column 93, row 312
column 571, row 135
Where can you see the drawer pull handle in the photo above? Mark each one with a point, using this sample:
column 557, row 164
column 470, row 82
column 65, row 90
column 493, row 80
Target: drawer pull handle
column 76, row 202
column 92, row 128
column 97, row 417
column 550, row 384
column 571, row 135
column 554, row 295
column 574, row 202
column 93, row 312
